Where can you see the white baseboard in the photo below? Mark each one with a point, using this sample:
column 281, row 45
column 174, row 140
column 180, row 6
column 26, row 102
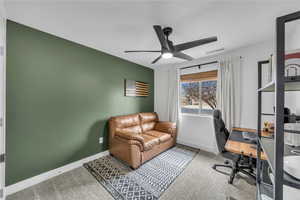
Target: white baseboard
column 50, row 174
column 198, row 147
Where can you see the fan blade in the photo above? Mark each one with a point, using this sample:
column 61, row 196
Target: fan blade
column 154, row 61
column 162, row 38
column 188, row 45
column 183, row 56
column 141, row 51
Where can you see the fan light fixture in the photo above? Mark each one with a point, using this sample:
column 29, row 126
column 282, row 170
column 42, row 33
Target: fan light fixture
column 167, row 55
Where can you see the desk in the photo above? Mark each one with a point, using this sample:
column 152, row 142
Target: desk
column 263, row 133
column 238, row 147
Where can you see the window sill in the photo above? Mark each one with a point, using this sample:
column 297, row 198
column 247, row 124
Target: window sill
column 196, row 115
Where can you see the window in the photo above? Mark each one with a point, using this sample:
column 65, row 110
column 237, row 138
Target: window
column 198, row 92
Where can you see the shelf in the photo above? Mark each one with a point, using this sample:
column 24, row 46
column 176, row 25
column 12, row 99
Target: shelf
column 290, row 181
column 292, row 131
column 267, row 145
column 264, row 189
column 277, row 147
column 268, row 114
column 290, row 85
column 267, row 88
column 273, row 114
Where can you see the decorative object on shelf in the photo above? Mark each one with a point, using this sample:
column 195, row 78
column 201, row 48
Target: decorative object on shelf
column 292, row 65
column 268, row 127
column 287, row 114
column 136, row 88
column 293, row 118
column 291, row 166
column 292, row 139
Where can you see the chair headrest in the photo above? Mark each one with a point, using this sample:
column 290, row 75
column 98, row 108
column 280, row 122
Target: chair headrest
column 217, row 114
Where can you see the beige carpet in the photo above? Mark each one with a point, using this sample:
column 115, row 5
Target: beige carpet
column 198, row 182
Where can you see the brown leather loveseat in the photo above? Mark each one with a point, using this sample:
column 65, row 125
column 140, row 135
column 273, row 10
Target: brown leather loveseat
column 137, row 138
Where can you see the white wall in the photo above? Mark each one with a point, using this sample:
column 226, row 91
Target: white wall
column 161, row 85
column 293, row 38
column 197, row 132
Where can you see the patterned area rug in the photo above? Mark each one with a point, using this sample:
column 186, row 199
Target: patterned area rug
column 148, row 182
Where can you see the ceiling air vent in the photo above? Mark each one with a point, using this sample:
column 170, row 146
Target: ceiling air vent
column 215, row 51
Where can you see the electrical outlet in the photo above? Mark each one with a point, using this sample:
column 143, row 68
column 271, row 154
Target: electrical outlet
column 100, row 140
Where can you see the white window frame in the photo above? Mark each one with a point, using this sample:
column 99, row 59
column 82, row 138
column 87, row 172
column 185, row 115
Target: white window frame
column 200, row 113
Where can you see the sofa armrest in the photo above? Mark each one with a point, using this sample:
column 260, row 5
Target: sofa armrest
column 129, row 142
column 167, row 127
column 129, row 136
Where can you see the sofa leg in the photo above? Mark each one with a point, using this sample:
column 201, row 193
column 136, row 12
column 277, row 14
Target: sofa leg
column 134, row 168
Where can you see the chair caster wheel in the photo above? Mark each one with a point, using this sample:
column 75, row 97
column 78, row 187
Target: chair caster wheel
column 214, row 167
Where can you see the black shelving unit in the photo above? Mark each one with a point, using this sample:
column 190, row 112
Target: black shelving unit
column 274, row 148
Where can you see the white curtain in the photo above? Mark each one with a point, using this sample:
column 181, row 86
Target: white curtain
column 172, row 96
column 229, row 90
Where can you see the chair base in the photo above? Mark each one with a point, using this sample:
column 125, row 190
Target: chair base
column 236, row 168
column 220, row 165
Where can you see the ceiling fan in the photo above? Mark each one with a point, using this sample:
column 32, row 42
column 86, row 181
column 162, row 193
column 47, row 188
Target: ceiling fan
column 168, row 50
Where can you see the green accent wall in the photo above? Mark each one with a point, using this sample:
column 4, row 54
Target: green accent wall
column 60, row 96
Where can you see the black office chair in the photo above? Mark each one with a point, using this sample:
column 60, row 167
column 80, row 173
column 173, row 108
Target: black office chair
column 239, row 163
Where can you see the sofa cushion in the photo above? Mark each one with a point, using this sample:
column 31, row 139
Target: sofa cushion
column 163, row 137
column 149, row 141
column 148, row 121
column 131, row 129
column 166, row 127
column 127, row 121
column 148, row 126
column 148, row 117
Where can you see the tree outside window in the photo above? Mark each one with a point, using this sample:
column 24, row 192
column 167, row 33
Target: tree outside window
column 198, row 97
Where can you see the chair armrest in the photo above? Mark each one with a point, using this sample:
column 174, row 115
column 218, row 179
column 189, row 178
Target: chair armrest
column 130, row 136
column 167, row 127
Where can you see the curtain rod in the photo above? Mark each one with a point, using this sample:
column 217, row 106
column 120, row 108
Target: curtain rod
column 199, row 65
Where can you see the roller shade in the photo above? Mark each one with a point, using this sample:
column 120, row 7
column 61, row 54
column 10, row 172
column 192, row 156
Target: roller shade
column 201, row 76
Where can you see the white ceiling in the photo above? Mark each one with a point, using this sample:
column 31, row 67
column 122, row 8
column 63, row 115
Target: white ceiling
column 113, row 26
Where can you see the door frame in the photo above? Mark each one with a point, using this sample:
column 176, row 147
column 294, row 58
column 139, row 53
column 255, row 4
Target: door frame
column 3, row 97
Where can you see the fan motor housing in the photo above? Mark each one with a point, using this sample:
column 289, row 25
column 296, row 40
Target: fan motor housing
column 167, row 31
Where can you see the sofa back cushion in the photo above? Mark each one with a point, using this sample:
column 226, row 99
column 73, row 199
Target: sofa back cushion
column 125, row 123
column 131, row 129
column 148, row 121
